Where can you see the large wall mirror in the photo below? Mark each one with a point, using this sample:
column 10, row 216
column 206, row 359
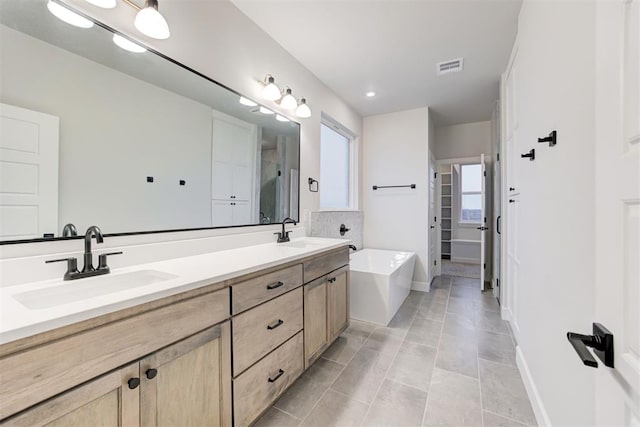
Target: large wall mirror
column 91, row 133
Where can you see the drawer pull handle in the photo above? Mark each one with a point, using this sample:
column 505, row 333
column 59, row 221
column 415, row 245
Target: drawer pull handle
column 275, row 285
column 278, row 375
column 133, row 383
column 151, row 373
column 275, row 324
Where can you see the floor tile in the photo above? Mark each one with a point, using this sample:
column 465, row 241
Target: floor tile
column 276, row 418
column 361, row 378
column 424, row 331
column 301, row 396
column 344, row 348
column 396, row 405
column 491, row 321
column 454, row 400
column 462, row 292
column 361, row 329
column 403, row 318
column 459, row 325
column 503, row 392
column 457, row 355
column 413, row 365
column 438, row 295
column 430, row 309
column 386, row 340
column 487, row 302
column 441, row 282
column 460, row 305
column 324, row 371
column 335, row 409
column 414, row 298
column 494, row 420
column 466, row 281
column 496, row 348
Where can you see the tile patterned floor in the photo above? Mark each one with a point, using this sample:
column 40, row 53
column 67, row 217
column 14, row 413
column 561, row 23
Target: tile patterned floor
column 446, row 359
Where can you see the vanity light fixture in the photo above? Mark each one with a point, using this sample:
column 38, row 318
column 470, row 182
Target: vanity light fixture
column 303, row 111
column 264, row 110
column 247, row 102
column 150, row 22
column 68, row 16
column 105, row 4
column 271, row 92
column 127, row 44
column 288, row 101
column 281, row 118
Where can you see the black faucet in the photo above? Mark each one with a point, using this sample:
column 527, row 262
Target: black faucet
column 284, row 235
column 88, row 270
column 353, row 247
column 94, row 230
column 69, row 230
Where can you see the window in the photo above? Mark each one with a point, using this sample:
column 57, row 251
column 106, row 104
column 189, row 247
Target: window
column 335, row 169
column 471, row 193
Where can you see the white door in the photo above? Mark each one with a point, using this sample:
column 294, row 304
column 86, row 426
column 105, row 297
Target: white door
column 28, row 173
column 483, row 222
column 618, row 208
column 432, row 219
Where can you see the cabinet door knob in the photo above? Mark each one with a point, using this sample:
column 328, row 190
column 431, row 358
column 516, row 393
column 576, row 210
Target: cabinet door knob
column 151, row 373
column 133, row 383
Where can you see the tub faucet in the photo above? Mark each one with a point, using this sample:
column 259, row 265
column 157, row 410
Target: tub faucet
column 353, row 247
column 284, row 235
column 94, row 230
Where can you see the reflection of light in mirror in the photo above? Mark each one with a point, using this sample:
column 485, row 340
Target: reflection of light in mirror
column 105, row 4
column 68, row 16
column 281, row 118
column 127, row 44
column 247, row 102
column 264, row 110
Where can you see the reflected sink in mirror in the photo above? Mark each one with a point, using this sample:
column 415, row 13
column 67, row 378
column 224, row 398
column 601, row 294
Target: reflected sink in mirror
column 66, row 292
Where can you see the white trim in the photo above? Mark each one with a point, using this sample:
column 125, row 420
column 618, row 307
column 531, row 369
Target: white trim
column 539, row 410
column 420, row 286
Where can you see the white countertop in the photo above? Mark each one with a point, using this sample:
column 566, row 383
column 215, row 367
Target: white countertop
column 18, row 321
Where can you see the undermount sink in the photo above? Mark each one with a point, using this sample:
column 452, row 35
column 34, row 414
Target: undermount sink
column 73, row 291
column 303, row 244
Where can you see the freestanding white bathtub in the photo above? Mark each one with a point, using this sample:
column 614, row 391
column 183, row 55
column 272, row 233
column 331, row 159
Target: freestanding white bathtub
column 380, row 282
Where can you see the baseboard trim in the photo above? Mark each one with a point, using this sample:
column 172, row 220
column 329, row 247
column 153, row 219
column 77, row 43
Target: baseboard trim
column 532, row 391
column 420, row 286
column 474, row 261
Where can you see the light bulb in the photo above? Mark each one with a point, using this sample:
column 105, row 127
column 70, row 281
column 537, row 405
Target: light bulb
column 247, row 102
column 105, row 4
column 271, row 92
column 281, row 118
column 150, row 22
column 288, row 101
column 370, row 94
column 303, row 110
column 68, row 16
column 264, row 110
column 127, row 44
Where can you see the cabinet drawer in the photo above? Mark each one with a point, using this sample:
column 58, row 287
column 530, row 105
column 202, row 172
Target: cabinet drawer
column 319, row 266
column 261, row 385
column 254, row 291
column 32, row 376
column 258, row 331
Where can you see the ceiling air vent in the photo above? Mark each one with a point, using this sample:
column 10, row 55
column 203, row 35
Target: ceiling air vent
column 451, row 66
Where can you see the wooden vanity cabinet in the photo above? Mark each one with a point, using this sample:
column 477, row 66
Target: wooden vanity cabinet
column 316, row 331
column 338, row 302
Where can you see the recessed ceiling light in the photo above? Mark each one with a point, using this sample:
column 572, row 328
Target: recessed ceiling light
column 370, row 94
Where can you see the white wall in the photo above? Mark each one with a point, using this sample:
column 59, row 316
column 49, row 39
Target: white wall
column 140, row 145
column 216, row 39
column 555, row 234
column 396, row 152
column 464, row 140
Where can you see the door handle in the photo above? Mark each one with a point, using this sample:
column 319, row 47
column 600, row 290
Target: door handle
column 433, row 226
column 601, row 341
column 482, row 228
column 498, row 224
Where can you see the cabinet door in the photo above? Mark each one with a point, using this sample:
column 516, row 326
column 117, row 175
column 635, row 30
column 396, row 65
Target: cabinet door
column 242, row 213
column 221, row 213
column 105, row 401
column 338, row 302
column 316, row 333
column 189, row 383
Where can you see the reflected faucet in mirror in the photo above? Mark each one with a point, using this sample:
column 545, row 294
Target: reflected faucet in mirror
column 283, row 236
column 69, row 230
column 88, row 270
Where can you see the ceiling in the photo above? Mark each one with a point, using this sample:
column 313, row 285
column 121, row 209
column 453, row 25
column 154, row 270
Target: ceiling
column 392, row 47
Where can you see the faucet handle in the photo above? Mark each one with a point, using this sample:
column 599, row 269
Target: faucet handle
column 72, row 266
column 102, row 260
